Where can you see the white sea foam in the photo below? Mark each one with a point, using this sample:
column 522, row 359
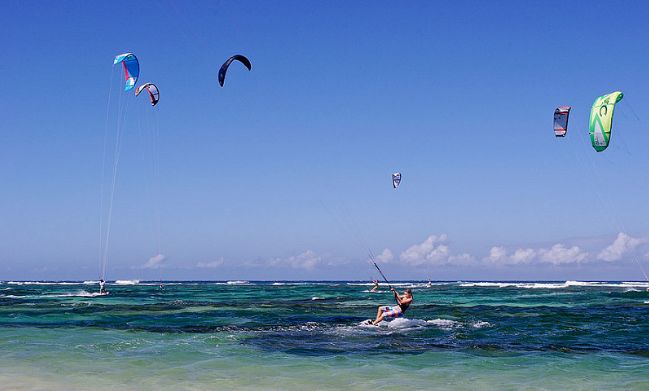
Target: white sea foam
column 41, row 283
column 127, row 282
column 608, row 284
column 636, row 284
column 531, row 285
column 77, row 294
column 364, row 324
column 238, row 282
column 480, row 324
column 403, row 323
column 603, row 284
column 426, row 284
column 444, row 323
column 582, row 283
column 553, row 285
column 408, row 284
column 317, row 298
column 485, row 284
column 71, row 294
column 395, row 324
column 91, row 282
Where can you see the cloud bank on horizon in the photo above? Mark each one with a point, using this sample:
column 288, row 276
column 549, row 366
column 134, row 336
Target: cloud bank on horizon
column 436, row 251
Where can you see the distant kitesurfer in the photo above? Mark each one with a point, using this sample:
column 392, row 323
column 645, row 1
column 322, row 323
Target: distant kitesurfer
column 375, row 288
column 102, row 287
column 396, row 311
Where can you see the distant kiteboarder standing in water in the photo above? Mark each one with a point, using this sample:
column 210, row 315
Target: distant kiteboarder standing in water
column 396, row 311
column 102, row 287
column 375, row 288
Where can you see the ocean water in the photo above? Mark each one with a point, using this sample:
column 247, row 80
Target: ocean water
column 302, row 335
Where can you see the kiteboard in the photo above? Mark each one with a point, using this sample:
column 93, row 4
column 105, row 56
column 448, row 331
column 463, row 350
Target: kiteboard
column 368, row 322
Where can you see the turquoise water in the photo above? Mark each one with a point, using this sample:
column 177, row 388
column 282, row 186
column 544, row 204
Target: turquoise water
column 296, row 336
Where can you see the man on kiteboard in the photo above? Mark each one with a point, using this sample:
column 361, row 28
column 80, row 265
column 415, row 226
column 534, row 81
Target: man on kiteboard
column 375, row 288
column 396, row 311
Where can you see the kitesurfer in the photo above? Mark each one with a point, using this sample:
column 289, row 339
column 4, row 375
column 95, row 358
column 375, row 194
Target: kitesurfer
column 102, row 287
column 396, row 311
column 375, row 288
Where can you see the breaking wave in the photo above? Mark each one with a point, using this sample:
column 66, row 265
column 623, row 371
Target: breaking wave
column 127, row 282
column 554, row 285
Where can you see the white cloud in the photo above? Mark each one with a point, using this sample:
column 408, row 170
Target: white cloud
column 523, row 255
column 155, row 262
column 386, row 256
column 500, row 255
column 461, row 259
column 307, row 260
column 560, row 254
column 210, row 264
column 497, row 254
column 431, row 251
column 622, row 245
column 556, row 255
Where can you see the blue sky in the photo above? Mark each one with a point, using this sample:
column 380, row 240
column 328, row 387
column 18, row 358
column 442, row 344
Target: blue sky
column 285, row 172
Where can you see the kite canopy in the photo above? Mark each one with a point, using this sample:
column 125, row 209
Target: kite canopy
column 396, row 179
column 131, row 68
column 601, row 120
column 152, row 89
column 561, row 114
column 224, row 67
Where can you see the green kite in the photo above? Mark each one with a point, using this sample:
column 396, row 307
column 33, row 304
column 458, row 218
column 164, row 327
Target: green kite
column 601, row 119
